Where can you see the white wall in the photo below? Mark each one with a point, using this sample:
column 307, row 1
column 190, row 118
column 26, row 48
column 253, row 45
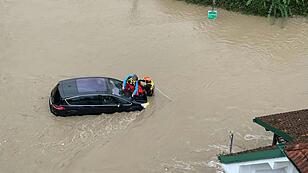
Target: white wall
column 276, row 165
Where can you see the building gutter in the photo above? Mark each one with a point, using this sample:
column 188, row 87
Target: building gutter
column 252, row 156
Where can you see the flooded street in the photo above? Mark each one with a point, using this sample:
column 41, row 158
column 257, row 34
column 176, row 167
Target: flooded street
column 213, row 77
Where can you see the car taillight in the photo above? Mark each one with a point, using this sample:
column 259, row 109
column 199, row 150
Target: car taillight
column 60, row 108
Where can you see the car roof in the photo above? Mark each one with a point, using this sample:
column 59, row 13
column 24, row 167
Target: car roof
column 84, row 86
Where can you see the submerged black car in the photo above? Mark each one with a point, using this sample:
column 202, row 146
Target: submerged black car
column 92, row 95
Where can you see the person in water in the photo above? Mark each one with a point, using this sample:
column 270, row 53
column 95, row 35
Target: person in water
column 132, row 86
column 148, row 85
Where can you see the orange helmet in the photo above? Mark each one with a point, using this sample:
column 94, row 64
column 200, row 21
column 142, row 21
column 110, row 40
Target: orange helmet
column 147, row 79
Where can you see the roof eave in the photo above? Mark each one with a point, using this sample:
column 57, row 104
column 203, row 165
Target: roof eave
column 268, row 127
column 252, row 156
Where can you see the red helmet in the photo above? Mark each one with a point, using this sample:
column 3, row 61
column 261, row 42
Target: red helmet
column 147, row 79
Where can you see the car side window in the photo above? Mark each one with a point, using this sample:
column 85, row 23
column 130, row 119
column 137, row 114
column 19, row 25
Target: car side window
column 108, row 100
column 84, row 100
column 74, row 101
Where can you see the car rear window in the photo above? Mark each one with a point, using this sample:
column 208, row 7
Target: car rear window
column 55, row 96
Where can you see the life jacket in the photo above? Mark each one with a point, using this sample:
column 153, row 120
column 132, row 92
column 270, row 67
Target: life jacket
column 129, row 79
column 138, row 91
column 129, row 88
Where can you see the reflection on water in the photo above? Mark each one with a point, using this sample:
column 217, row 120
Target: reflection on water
column 212, row 77
column 134, row 10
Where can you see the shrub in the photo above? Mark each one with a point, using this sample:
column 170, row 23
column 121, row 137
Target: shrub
column 275, row 8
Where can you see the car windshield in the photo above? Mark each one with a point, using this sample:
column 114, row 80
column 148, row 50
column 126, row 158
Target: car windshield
column 116, row 87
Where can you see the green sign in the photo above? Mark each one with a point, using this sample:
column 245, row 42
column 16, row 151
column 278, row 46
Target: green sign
column 212, row 14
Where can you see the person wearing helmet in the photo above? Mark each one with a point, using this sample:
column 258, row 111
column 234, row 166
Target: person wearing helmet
column 129, row 79
column 132, row 86
column 138, row 91
column 148, row 85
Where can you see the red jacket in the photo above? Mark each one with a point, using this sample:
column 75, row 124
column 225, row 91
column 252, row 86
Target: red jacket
column 130, row 88
column 140, row 90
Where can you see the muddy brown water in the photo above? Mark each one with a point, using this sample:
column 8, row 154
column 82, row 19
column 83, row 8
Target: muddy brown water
column 214, row 76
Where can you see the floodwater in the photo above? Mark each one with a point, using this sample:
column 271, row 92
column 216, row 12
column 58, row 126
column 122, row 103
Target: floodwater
column 213, row 77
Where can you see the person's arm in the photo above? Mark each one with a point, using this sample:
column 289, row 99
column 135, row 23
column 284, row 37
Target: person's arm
column 136, row 89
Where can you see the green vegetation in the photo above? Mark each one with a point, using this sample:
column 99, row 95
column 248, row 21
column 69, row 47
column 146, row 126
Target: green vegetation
column 275, row 8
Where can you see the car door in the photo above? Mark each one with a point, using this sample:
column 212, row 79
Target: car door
column 123, row 104
column 84, row 104
column 108, row 104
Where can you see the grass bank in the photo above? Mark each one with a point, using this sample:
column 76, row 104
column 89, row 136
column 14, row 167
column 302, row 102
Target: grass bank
column 276, row 8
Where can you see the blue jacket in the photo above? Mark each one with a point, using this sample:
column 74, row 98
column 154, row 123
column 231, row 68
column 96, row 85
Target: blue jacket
column 136, row 85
